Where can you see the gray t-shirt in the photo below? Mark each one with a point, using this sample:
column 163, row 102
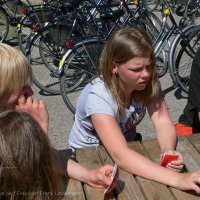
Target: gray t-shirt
column 96, row 99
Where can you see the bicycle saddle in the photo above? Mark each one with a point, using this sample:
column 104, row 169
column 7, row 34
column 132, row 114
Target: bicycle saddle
column 70, row 5
column 112, row 14
column 180, row 9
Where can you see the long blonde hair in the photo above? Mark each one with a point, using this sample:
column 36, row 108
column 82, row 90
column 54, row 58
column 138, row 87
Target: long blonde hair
column 125, row 44
column 15, row 70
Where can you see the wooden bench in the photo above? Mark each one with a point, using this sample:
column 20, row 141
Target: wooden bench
column 130, row 186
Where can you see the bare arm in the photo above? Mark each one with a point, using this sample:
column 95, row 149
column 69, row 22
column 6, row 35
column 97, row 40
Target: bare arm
column 129, row 160
column 165, row 130
column 162, row 122
column 99, row 178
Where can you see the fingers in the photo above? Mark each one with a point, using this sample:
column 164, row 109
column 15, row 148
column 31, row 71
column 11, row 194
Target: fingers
column 108, row 170
column 177, row 168
column 196, row 179
column 175, row 165
column 170, row 152
column 196, row 189
column 36, row 108
column 30, row 102
column 22, row 100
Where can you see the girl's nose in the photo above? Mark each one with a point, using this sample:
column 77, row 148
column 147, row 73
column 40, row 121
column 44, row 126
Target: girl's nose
column 146, row 73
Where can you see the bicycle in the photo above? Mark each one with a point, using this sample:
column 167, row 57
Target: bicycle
column 79, row 59
column 9, row 17
column 183, row 46
column 35, row 18
column 52, row 46
column 50, row 41
column 181, row 50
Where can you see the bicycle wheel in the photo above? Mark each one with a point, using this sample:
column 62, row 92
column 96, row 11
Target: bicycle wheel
column 81, row 65
column 161, row 64
column 47, row 79
column 151, row 4
column 53, row 40
column 152, row 25
column 37, row 19
column 4, row 25
column 181, row 55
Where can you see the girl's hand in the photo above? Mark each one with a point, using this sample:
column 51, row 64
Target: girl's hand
column 101, row 177
column 189, row 181
column 178, row 164
column 36, row 108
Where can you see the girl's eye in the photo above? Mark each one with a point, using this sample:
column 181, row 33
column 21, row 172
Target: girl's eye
column 137, row 69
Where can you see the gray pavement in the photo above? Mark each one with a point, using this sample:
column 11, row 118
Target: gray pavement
column 61, row 119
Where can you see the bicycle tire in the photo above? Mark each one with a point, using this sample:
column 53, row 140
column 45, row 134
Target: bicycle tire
column 4, row 25
column 148, row 21
column 47, row 79
column 181, row 56
column 84, row 59
column 25, row 27
column 153, row 27
column 53, row 40
column 151, row 4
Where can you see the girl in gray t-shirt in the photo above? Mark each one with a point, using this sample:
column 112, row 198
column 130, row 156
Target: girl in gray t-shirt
column 110, row 107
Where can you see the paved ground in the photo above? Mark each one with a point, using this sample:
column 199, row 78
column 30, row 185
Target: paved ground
column 61, row 119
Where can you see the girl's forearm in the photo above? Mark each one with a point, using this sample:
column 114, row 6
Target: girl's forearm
column 167, row 137
column 77, row 171
column 139, row 165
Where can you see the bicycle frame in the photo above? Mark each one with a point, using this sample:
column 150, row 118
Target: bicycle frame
column 164, row 37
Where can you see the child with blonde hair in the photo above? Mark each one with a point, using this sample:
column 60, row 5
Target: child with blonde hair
column 16, row 93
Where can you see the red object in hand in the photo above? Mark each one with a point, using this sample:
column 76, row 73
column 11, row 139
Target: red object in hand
column 166, row 158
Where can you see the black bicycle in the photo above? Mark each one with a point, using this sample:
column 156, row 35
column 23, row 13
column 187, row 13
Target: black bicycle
column 10, row 15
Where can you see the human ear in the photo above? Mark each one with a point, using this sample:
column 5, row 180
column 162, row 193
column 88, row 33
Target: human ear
column 114, row 68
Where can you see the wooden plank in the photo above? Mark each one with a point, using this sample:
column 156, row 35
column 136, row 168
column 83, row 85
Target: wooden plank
column 195, row 140
column 152, row 146
column 74, row 191
column 89, row 158
column 153, row 149
column 126, row 188
column 106, row 160
column 104, row 156
column 184, row 195
column 190, row 154
column 151, row 189
column 191, row 157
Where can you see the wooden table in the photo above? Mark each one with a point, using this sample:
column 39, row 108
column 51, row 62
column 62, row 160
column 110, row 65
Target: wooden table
column 134, row 187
